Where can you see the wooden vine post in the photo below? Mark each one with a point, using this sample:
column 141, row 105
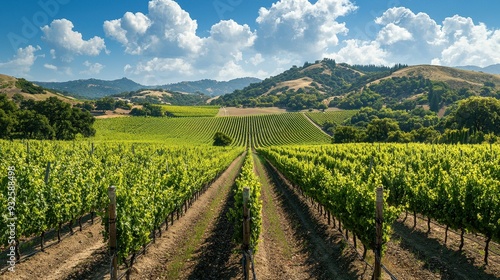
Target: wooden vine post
column 246, row 231
column 112, row 232
column 377, row 272
column 46, row 180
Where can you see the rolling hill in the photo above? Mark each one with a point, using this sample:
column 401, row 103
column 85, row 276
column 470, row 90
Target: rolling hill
column 354, row 86
column 95, row 88
column 211, row 87
column 455, row 78
column 11, row 86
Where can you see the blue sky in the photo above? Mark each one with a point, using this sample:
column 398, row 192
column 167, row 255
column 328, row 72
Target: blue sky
column 165, row 41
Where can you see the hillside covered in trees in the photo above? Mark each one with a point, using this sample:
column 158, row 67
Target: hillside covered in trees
column 48, row 119
column 329, row 84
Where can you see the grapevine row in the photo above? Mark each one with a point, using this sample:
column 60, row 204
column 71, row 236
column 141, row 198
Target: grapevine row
column 349, row 197
column 151, row 182
column 458, row 186
column 261, row 130
column 247, row 179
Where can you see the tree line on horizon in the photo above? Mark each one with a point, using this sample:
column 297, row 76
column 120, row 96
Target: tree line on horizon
column 472, row 120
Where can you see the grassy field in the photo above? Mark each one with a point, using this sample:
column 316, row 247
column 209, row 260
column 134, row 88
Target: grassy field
column 261, row 130
column 191, row 111
column 332, row 116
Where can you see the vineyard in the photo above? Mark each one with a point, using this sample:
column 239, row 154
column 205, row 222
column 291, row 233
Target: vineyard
column 456, row 186
column 261, row 130
column 336, row 117
column 190, row 111
column 59, row 183
column 306, row 201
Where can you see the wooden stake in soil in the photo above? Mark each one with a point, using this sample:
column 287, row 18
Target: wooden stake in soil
column 246, row 230
column 112, row 232
column 378, row 240
column 486, row 248
column 47, row 174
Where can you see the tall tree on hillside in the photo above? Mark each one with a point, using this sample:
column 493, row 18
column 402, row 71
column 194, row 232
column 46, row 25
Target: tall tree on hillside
column 479, row 114
column 34, row 126
column 379, row 129
column 8, row 120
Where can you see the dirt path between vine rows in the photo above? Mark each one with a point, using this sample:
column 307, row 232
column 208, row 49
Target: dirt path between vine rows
column 410, row 254
column 296, row 243
column 198, row 246
column 60, row 259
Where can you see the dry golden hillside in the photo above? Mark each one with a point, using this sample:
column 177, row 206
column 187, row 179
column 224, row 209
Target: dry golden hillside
column 8, row 86
column 455, row 78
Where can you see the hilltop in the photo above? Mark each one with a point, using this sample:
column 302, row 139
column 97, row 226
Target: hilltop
column 455, row 78
column 327, row 83
column 12, row 86
column 210, row 87
column 95, row 88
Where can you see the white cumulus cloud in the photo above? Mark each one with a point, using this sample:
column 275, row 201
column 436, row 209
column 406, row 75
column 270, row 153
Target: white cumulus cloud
column 168, row 48
column 299, row 26
column 68, row 43
column 361, row 52
column 166, row 40
column 392, row 33
column 22, row 61
column 50, row 66
column 166, row 29
column 469, row 43
column 416, row 38
column 92, row 68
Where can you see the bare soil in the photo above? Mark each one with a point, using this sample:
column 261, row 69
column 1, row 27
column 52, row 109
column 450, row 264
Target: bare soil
column 58, row 260
column 197, row 246
column 446, row 259
column 308, row 247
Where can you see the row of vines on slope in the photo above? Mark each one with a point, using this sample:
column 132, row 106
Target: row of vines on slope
column 349, row 197
column 152, row 181
column 459, row 186
column 260, row 130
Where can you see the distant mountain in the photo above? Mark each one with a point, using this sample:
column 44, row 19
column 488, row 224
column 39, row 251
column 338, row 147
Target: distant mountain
column 94, row 88
column 492, row 69
column 211, row 87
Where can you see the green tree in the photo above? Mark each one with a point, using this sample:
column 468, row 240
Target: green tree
column 322, row 107
column 425, row 135
column 83, row 122
column 221, row 139
column 7, row 124
column 137, row 112
column 106, row 103
column 34, row 126
column 399, row 137
column 379, row 129
column 346, row 134
column 477, row 114
column 66, row 121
